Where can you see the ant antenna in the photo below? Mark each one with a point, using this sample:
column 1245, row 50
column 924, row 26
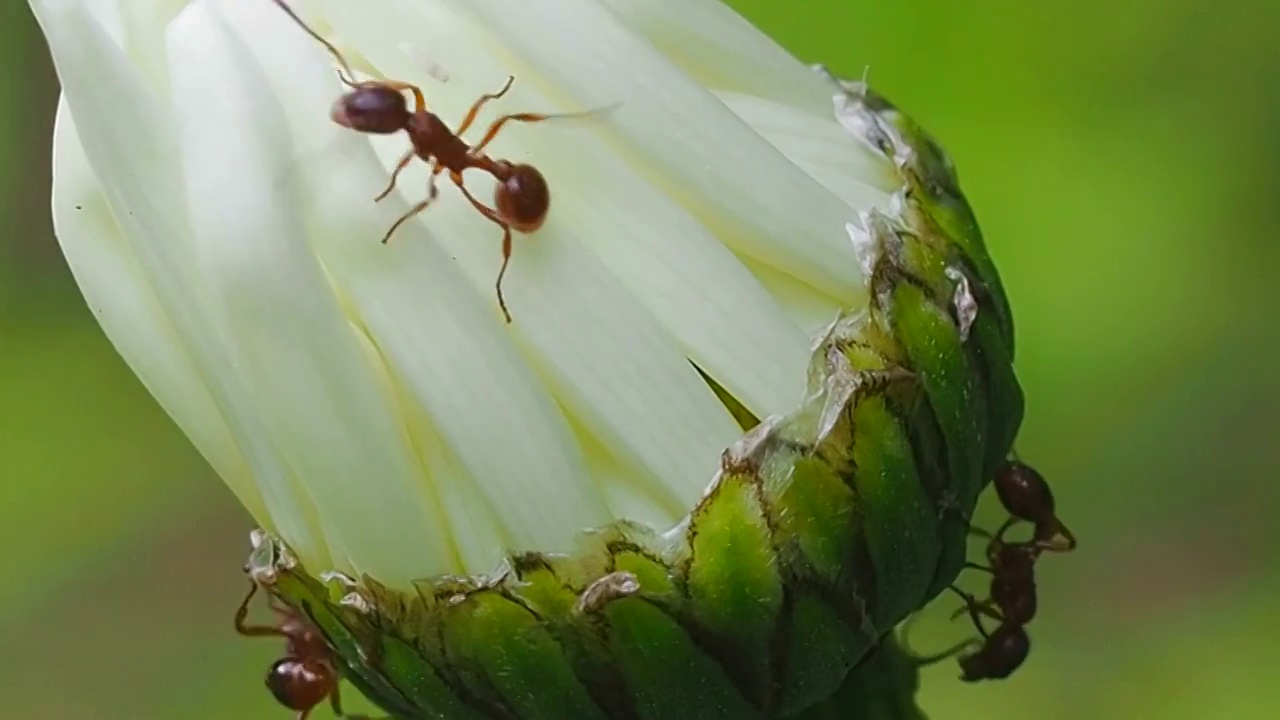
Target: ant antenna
column 345, row 74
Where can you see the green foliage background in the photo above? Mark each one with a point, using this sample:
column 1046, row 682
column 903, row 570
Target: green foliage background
column 1124, row 159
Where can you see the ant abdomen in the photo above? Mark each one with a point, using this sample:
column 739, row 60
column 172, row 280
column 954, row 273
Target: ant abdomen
column 300, row 684
column 522, row 197
column 998, row 658
column 372, row 108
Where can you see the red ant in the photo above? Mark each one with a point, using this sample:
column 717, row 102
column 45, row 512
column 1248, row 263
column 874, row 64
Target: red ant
column 378, row 107
column 1012, row 601
column 1013, row 584
column 1026, row 496
column 1013, row 595
column 306, row 676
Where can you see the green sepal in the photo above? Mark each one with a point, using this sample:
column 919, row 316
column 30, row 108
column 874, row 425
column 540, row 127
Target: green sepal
column 882, row 687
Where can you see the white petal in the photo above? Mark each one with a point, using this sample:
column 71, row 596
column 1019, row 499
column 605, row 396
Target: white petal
column 670, row 128
column 629, row 491
column 444, row 336
column 722, row 50
column 144, row 24
column 819, row 145
column 637, row 392
column 310, row 381
column 697, row 288
column 809, row 309
column 121, row 300
column 129, row 141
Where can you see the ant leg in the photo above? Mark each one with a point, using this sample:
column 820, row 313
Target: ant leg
column 344, row 73
column 432, row 194
column 976, row 566
column 253, row 630
column 493, row 130
column 986, row 608
column 954, row 650
column 506, row 260
column 413, row 211
column 395, row 174
column 972, row 605
column 492, row 215
column 335, row 702
column 475, row 107
column 1006, row 527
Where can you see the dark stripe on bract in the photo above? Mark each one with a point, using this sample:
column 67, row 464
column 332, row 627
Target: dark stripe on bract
column 585, row 649
column 859, row 565
column 724, row 654
column 779, row 651
column 370, row 686
column 605, row 681
column 723, row 651
column 434, row 696
column 524, row 563
column 864, row 573
column 929, row 449
column 852, row 611
column 490, row 708
column 507, row 653
column 692, row 682
column 1005, row 403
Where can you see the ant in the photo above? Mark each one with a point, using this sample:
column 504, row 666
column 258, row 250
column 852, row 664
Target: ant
column 379, row 107
column 1013, row 595
column 1012, row 600
column 306, row 676
column 1013, row 584
column 1026, row 496
column 997, row 655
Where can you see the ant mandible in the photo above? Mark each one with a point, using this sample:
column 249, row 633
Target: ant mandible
column 379, row 107
column 306, row 676
column 1026, row 496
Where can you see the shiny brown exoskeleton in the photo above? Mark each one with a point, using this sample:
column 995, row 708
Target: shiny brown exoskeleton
column 1012, row 600
column 1026, row 496
column 521, row 198
column 1012, row 603
column 1001, row 653
column 306, row 676
column 993, row 657
column 1013, row 585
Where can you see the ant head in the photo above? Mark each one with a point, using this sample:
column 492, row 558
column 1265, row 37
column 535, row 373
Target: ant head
column 1024, row 492
column 521, row 197
column 372, row 108
column 300, row 685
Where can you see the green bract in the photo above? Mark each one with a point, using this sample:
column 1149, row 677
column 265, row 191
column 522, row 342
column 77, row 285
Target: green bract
column 823, row 530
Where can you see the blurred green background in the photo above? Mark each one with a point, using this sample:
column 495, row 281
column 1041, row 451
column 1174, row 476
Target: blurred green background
column 1124, row 159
